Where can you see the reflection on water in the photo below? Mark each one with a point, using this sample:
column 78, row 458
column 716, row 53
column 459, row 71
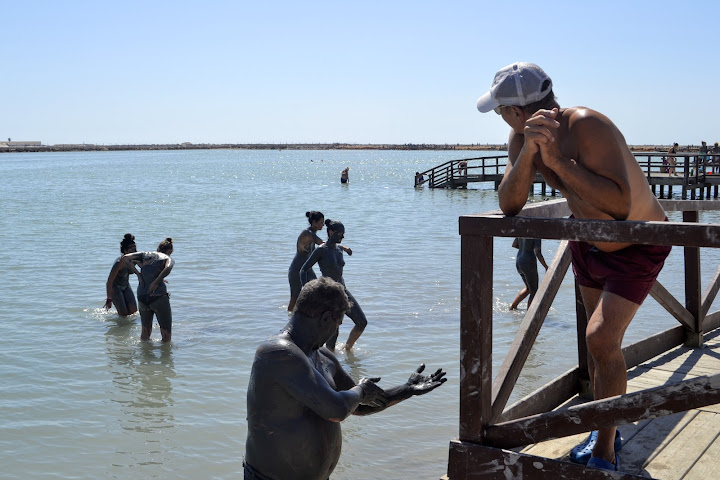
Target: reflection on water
column 142, row 374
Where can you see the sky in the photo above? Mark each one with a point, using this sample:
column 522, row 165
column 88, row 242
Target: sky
column 156, row 72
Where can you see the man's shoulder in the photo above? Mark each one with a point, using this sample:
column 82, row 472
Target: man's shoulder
column 589, row 127
column 584, row 115
column 277, row 346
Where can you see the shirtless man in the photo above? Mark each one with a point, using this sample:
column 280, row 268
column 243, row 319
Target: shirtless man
column 299, row 393
column 582, row 153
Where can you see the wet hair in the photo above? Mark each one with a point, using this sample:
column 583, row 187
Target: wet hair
column 320, row 296
column 314, row 216
column 165, row 246
column 334, row 225
column 547, row 102
column 125, row 243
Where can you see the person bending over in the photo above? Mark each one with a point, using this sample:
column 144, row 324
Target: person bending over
column 152, row 293
column 582, row 153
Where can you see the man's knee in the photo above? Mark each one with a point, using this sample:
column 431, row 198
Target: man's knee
column 601, row 345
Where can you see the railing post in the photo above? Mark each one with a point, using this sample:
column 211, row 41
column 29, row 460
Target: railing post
column 693, row 295
column 584, row 387
column 476, row 302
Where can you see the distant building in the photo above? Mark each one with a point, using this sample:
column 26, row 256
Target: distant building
column 23, row 144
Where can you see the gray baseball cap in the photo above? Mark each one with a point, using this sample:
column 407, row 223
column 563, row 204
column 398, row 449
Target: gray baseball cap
column 518, row 84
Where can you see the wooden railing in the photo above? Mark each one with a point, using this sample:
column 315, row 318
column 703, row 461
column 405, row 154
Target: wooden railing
column 695, row 173
column 449, row 174
column 486, row 425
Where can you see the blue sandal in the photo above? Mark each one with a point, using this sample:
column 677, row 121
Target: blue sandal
column 581, row 453
column 597, row 462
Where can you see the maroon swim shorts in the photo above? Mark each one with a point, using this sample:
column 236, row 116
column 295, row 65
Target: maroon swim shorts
column 630, row 272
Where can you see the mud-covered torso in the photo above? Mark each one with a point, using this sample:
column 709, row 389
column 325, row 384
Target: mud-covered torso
column 151, row 264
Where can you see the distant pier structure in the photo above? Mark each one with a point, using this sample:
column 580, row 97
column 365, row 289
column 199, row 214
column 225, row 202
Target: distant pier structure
column 696, row 176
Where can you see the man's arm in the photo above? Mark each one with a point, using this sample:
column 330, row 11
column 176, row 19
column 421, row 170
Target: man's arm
column 417, row 384
column 599, row 177
column 294, row 372
column 519, row 175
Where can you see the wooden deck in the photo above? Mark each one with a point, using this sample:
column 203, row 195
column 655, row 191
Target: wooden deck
column 668, row 417
column 683, row 445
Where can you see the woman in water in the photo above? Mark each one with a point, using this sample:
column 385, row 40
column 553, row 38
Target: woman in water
column 305, row 245
column 330, row 258
column 529, row 253
column 118, row 288
column 152, row 294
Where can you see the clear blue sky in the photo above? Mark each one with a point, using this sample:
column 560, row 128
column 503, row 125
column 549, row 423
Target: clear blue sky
column 336, row 71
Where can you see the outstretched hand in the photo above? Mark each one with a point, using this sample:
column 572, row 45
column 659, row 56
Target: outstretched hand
column 421, row 384
column 373, row 395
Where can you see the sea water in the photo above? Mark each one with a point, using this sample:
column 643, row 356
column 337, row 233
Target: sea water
column 82, row 397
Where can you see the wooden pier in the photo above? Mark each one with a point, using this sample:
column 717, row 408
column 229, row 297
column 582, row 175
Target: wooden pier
column 695, row 176
column 669, row 417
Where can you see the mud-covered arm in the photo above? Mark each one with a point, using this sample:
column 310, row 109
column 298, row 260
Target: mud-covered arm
column 312, row 260
column 111, row 279
column 169, row 264
column 294, row 372
column 537, row 249
column 417, row 384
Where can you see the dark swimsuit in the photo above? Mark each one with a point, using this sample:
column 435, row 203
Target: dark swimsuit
column 630, row 272
column 526, row 263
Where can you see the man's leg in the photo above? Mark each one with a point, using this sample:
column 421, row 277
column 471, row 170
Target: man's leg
column 611, row 315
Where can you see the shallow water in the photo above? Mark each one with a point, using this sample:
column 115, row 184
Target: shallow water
column 82, row 397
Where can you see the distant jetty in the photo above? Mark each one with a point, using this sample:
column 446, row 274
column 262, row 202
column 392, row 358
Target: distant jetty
column 87, row 147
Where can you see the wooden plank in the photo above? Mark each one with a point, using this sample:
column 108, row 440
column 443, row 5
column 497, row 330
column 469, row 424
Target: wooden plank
column 476, row 301
column 650, row 233
column 650, row 440
column 468, row 461
column 671, row 305
column 707, row 466
column 545, row 398
column 686, row 447
column 710, row 293
column 527, row 333
column 618, row 410
column 693, row 294
column 584, row 386
column 653, row 346
column 712, row 321
column 670, row 205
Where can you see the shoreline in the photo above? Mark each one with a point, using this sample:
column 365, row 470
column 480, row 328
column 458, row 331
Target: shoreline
column 269, row 146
